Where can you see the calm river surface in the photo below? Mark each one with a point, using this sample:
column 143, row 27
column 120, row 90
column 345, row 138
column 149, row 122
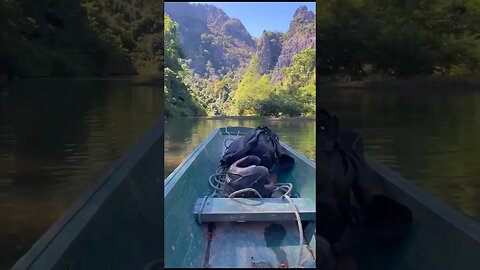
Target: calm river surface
column 56, row 138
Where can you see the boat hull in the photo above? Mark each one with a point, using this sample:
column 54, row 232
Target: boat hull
column 440, row 237
column 229, row 244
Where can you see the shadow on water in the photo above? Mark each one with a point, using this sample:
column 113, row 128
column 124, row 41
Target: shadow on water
column 57, row 136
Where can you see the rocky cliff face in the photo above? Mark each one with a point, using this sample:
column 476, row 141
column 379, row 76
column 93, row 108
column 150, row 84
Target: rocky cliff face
column 215, row 42
column 218, row 44
column 300, row 36
column 268, row 51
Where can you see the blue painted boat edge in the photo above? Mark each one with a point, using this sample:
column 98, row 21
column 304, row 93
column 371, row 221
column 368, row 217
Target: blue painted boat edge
column 127, row 161
column 452, row 216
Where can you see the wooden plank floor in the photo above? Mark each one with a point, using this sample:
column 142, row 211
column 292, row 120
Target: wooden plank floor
column 234, row 244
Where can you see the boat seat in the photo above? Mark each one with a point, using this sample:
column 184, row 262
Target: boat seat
column 243, row 209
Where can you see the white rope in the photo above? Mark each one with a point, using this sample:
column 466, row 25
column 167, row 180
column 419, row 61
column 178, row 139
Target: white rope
column 300, row 229
column 244, row 190
column 217, row 180
column 230, row 138
column 282, row 187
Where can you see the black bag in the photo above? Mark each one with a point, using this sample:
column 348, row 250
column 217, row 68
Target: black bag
column 251, row 159
column 260, row 142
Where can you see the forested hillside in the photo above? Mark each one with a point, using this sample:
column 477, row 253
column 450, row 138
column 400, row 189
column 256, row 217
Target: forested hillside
column 398, row 38
column 178, row 99
column 227, row 72
column 215, row 42
column 80, row 37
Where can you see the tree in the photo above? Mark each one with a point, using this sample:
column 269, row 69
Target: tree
column 398, row 38
column 178, row 95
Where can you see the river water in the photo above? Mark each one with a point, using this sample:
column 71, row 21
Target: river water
column 430, row 136
column 58, row 136
column 183, row 135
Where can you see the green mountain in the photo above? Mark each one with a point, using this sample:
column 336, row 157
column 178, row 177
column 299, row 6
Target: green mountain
column 210, row 38
column 301, row 35
column 229, row 73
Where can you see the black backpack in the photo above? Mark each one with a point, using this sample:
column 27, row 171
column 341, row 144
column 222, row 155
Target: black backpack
column 251, row 159
column 260, row 142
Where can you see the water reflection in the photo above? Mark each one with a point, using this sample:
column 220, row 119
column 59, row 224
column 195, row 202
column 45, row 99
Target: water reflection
column 56, row 138
column 183, row 135
column 428, row 136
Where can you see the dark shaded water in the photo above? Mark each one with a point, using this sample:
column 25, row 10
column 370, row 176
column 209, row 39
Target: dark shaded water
column 430, row 137
column 56, row 138
column 183, row 135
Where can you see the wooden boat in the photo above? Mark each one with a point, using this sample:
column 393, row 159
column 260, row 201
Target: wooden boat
column 234, row 234
column 118, row 224
column 440, row 237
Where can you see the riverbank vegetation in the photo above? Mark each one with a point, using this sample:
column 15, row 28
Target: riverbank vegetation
column 178, row 100
column 252, row 94
column 399, row 39
column 72, row 38
column 293, row 95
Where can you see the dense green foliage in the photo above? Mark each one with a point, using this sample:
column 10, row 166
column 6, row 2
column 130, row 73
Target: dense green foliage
column 133, row 28
column 398, row 38
column 178, row 101
column 80, row 37
column 254, row 94
column 293, row 96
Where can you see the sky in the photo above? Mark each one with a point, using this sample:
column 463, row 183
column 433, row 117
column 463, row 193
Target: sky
column 259, row 16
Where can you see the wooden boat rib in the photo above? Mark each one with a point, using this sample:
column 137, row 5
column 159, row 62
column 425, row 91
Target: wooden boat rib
column 270, row 240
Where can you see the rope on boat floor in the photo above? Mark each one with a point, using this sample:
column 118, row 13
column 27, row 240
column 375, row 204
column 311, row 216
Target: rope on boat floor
column 300, row 229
